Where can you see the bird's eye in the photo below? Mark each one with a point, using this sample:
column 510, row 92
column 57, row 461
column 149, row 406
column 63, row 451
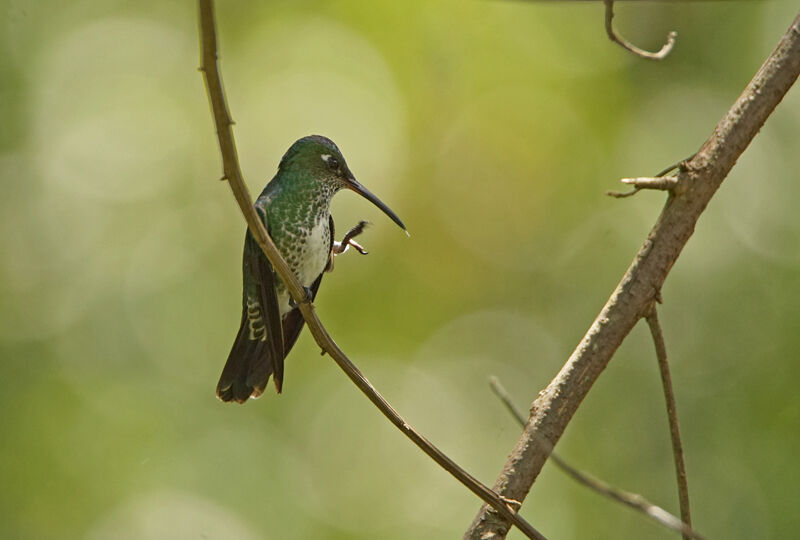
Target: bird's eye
column 333, row 163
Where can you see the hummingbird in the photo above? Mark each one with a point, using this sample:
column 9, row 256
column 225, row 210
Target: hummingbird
column 295, row 209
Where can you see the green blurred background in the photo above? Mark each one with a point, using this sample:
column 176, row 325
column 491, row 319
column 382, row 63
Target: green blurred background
column 493, row 129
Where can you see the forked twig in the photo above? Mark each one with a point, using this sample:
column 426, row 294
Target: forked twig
column 632, row 500
column 672, row 415
column 660, row 181
column 233, row 174
column 616, row 38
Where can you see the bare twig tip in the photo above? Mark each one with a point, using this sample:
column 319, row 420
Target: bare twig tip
column 616, row 38
column 664, row 183
column 622, row 195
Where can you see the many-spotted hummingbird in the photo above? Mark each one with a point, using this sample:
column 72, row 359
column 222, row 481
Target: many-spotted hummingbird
column 295, row 210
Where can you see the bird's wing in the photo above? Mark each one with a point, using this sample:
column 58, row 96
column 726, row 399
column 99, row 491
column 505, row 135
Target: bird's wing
column 266, row 300
column 257, row 351
column 293, row 321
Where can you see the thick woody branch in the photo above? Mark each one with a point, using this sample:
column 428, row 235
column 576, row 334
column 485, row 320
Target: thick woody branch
column 630, row 301
column 233, row 174
column 632, row 500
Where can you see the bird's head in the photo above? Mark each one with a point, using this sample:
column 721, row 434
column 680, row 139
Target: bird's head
column 320, row 159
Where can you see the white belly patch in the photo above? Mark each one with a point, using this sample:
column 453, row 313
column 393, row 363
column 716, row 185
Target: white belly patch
column 309, row 261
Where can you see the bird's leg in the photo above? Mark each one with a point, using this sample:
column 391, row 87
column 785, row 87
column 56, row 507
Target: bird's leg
column 346, row 242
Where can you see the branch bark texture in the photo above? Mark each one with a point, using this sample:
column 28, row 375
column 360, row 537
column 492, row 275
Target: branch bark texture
column 641, row 284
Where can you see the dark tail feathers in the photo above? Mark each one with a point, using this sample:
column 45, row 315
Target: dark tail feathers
column 248, row 368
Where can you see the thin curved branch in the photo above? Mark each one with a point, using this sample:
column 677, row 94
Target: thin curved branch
column 616, row 38
column 702, row 175
column 672, row 415
column 632, row 500
column 233, row 174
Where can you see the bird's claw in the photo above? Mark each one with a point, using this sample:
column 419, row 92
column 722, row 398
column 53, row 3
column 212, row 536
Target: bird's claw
column 347, row 241
column 308, row 298
column 513, row 504
column 358, row 247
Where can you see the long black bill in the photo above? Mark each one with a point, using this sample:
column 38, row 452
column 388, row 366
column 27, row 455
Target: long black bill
column 353, row 184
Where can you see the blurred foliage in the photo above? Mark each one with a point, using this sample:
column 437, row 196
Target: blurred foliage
column 493, row 129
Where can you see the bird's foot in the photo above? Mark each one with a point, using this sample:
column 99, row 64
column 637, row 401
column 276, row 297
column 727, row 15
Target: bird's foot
column 347, row 240
column 513, row 504
column 309, row 297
